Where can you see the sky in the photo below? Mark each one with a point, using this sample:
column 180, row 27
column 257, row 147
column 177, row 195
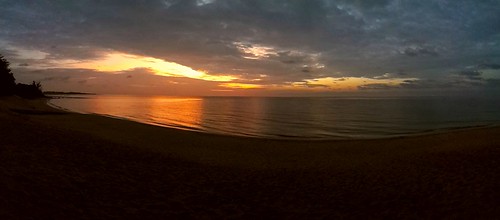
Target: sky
column 254, row 47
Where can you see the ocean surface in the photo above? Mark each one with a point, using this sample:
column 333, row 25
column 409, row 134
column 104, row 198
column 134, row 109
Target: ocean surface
column 295, row 118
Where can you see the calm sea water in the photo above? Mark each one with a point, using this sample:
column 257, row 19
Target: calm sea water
column 302, row 118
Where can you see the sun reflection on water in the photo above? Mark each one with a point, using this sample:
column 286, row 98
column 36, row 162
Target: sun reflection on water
column 315, row 118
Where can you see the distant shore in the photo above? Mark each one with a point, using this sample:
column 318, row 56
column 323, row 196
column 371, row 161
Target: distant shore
column 57, row 164
column 67, row 93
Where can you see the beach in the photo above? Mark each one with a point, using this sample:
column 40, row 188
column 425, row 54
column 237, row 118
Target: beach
column 62, row 165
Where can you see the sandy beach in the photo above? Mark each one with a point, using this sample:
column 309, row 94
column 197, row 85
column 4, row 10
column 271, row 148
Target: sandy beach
column 61, row 165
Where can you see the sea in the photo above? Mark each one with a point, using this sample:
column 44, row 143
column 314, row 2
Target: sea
column 318, row 118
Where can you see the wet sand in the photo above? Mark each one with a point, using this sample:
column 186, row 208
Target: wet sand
column 60, row 165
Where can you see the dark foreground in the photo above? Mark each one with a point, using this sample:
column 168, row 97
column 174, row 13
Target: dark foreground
column 69, row 166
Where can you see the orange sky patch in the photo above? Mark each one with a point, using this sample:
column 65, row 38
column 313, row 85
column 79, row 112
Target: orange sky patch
column 241, row 86
column 339, row 83
column 115, row 62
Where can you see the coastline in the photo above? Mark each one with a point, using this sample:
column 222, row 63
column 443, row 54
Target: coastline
column 221, row 148
column 108, row 167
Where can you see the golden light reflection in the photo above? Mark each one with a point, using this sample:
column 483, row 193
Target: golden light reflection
column 114, row 62
column 186, row 112
column 183, row 113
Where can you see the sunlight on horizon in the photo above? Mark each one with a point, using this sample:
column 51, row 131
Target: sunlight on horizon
column 241, row 86
column 348, row 83
column 116, row 62
column 324, row 84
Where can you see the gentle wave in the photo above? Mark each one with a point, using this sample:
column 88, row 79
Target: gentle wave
column 295, row 118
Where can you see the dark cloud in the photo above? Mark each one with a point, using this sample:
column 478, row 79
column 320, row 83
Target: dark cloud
column 7, row 53
column 311, row 84
column 424, row 84
column 492, row 66
column 376, row 86
column 493, row 83
column 471, row 74
column 143, row 82
column 306, row 69
column 56, row 78
column 289, row 61
column 420, row 51
column 428, row 39
column 465, row 79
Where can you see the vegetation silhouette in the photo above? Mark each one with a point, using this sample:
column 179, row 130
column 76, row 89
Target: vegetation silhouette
column 7, row 80
column 30, row 91
column 9, row 87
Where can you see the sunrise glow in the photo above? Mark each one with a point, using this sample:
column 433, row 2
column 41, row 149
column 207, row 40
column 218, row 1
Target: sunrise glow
column 342, row 83
column 116, row 62
column 241, row 86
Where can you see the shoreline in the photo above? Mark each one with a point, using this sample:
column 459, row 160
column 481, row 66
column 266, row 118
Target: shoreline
column 77, row 166
column 220, row 147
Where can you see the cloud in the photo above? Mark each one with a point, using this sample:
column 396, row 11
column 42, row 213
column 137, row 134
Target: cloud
column 85, row 80
column 424, row 84
column 493, row 83
column 384, row 76
column 56, row 78
column 415, row 51
column 493, row 66
column 376, row 86
column 462, row 80
column 471, row 74
column 289, row 41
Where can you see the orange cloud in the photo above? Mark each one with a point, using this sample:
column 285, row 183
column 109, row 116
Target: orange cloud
column 241, row 86
column 339, row 83
column 115, row 62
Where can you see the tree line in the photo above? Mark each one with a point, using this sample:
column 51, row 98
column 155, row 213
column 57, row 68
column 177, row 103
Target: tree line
column 9, row 87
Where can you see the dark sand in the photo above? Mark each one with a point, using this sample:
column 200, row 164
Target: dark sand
column 57, row 165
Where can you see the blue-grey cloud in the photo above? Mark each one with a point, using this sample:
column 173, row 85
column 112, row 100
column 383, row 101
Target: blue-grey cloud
column 426, row 39
column 493, row 66
column 471, row 74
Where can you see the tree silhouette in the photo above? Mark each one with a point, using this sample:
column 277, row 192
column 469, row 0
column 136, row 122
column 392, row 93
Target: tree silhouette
column 8, row 84
column 30, row 91
column 7, row 80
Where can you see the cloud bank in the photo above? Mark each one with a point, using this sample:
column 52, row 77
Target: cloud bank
column 269, row 43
